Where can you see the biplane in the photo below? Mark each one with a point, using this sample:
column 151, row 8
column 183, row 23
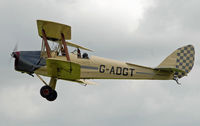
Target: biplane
column 59, row 63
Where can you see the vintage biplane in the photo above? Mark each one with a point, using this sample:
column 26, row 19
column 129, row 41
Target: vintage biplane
column 58, row 63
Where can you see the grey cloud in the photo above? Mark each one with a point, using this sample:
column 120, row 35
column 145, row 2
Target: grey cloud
column 171, row 18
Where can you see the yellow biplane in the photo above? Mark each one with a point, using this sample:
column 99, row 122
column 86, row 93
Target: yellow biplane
column 58, row 63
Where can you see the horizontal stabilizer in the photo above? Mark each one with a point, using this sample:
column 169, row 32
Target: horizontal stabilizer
column 173, row 70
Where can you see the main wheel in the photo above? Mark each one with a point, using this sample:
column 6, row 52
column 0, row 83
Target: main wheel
column 45, row 91
column 48, row 93
column 52, row 96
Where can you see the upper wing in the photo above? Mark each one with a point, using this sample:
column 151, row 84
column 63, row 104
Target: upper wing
column 78, row 46
column 53, row 30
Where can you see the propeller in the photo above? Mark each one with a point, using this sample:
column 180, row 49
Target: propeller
column 14, row 50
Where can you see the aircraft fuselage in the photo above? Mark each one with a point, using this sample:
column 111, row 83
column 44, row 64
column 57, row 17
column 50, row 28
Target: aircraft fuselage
column 102, row 68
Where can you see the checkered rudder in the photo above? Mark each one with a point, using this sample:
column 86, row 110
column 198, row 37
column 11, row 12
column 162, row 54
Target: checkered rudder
column 185, row 60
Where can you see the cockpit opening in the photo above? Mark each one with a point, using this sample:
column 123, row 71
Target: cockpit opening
column 85, row 56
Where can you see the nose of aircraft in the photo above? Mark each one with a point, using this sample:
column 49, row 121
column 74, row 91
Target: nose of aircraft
column 15, row 54
column 27, row 61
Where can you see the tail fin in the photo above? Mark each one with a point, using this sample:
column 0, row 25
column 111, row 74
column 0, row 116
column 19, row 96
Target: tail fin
column 180, row 61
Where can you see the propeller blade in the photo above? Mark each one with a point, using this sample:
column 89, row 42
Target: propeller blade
column 14, row 50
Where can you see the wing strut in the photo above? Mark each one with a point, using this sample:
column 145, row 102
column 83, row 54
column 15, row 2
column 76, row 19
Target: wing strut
column 46, row 43
column 65, row 47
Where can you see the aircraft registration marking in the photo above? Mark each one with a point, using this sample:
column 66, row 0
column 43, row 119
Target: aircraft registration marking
column 116, row 70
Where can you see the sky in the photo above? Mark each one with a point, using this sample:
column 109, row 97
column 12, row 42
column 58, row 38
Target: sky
column 142, row 32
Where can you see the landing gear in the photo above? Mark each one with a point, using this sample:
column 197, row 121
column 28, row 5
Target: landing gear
column 48, row 93
column 176, row 79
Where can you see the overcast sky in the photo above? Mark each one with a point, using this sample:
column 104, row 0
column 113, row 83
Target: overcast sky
column 138, row 31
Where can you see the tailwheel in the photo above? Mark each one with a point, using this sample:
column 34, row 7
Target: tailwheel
column 48, row 93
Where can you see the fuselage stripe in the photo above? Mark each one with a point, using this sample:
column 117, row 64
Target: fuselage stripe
column 151, row 74
column 89, row 67
column 145, row 73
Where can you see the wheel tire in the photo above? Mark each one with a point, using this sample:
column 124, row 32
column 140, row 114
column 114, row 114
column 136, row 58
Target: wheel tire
column 52, row 96
column 45, row 91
